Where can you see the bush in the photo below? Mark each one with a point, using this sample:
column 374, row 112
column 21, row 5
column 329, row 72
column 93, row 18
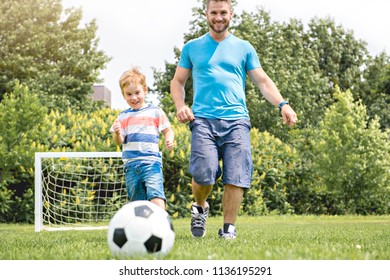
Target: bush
column 341, row 167
column 274, row 168
column 352, row 157
column 26, row 128
column 21, row 119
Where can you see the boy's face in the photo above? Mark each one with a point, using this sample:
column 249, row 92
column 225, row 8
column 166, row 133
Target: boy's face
column 134, row 95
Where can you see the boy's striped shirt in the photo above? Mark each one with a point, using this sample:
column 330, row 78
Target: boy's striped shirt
column 142, row 129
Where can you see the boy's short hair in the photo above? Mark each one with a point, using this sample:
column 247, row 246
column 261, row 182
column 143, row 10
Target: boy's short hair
column 132, row 76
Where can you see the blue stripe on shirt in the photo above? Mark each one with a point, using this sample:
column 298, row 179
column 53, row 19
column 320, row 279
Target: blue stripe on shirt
column 141, row 137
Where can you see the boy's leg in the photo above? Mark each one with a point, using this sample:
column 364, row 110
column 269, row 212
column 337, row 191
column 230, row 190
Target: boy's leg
column 152, row 176
column 134, row 186
column 159, row 202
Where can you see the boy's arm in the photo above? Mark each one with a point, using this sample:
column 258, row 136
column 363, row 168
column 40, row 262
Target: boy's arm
column 117, row 136
column 169, row 137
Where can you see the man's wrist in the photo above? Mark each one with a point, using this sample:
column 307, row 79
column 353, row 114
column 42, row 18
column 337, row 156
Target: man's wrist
column 281, row 104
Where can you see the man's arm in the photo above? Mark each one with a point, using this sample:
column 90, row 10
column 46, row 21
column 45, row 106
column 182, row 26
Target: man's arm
column 272, row 94
column 184, row 113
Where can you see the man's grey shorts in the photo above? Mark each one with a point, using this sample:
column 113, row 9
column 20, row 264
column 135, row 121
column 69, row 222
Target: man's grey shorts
column 227, row 140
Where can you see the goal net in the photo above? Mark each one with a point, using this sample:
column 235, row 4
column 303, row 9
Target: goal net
column 78, row 190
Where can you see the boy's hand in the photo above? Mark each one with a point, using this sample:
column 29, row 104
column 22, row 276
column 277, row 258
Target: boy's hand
column 117, row 127
column 169, row 144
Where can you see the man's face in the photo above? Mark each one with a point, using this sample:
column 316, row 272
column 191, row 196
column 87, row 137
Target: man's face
column 219, row 14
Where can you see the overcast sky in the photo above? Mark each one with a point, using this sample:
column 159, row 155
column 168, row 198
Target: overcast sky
column 143, row 33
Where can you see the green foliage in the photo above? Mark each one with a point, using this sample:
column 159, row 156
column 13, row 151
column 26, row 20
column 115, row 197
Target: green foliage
column 45, row 48
column 338, row 54
column 21, row 120
column 274, row 168
column 285, row 56
column 376, row 89
column 352, row 156
column 306, row 195
column 26, row 128
column 78, row 131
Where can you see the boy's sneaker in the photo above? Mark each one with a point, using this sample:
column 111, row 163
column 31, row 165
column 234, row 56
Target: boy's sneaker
column 228, row 232
column 198, row 220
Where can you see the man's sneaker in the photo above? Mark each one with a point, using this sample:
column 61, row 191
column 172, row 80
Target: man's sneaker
column 228, row 231
column 198, row 220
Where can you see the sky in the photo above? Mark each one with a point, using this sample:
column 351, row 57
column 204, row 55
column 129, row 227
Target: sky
column 144, row 33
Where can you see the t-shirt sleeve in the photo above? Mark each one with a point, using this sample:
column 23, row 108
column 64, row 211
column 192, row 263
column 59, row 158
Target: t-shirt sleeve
column 252, row 61
column 163, row 121
column 185, row 60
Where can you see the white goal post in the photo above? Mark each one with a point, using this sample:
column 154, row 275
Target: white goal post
column 78, row 190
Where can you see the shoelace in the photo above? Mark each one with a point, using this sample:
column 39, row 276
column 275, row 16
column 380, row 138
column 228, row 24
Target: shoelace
column 198, row 220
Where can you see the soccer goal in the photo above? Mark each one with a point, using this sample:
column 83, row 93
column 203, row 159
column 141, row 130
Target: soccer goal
column 78, row 190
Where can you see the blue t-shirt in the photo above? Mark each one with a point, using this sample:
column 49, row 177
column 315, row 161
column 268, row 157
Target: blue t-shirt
column 219, row 73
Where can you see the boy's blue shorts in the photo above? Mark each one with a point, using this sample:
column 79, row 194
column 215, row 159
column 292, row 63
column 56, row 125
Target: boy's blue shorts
column 227, row 140
column 144, row 181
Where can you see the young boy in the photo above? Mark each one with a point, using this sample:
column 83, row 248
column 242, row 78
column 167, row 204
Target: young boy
column 138, row 129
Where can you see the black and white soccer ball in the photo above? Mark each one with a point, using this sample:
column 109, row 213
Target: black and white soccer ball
column 140, row 228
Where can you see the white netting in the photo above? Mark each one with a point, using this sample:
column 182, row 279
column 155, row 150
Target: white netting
column 80, row 192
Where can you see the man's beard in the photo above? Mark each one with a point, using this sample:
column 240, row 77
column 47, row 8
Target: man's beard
column 220, row 30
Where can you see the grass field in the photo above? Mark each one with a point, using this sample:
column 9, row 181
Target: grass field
column 258, row 238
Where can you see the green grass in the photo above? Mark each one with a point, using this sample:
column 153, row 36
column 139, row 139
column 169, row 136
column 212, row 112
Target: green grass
column 258, row 238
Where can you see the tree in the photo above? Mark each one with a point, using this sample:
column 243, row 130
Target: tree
column 45, row 48
column 21, row 123
column 338, row 53
column 285, row 56
column 352, row 156
column 376, row 88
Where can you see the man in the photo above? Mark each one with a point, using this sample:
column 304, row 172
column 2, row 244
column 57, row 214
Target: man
column 219, row 119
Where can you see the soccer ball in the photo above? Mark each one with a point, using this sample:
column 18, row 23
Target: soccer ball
column 140, row 228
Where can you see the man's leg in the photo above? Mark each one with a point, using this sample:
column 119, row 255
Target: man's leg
column 199, row 209
column 201, row 193
column 231, row 201
column 237, row 172
column 205, row 169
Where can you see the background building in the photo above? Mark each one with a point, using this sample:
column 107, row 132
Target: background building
column 100, row 92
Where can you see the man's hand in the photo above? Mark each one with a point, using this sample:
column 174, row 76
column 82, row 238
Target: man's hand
column 184, row 114
column 288, row 115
